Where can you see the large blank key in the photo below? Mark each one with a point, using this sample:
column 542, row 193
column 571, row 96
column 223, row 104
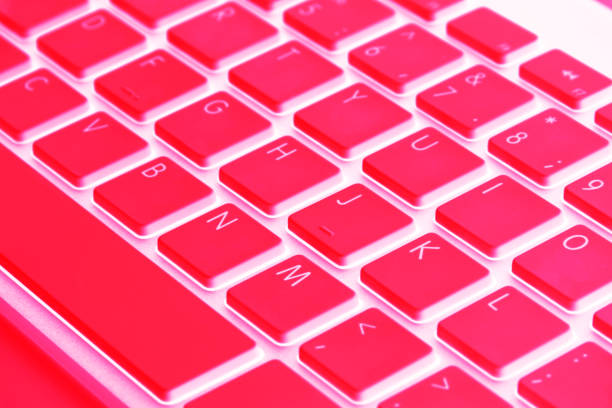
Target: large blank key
column 164, row 337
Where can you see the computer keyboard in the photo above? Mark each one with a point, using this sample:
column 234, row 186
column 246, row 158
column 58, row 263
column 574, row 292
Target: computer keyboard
column 328, row 203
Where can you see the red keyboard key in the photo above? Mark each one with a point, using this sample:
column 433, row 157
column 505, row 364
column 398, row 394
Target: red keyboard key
column 491, row 34
column 291, row 300
column 503, row 332
column 150, row 85
column 155, row 14
column 428, row 10
column 91, row 149
column 592, row 196
column 12, row 59
column 405, row 58
column 602, row 321
column 565, row 79
column 140, row 318
column 242, row 31
column 474, row 102
column 153, row 196
column 498, row 217
column 220, row 246
column 31, row 378
column 271, row 385
column 352, row 120
column 210, row 131
column 579, row 378
column 573, row 268
column 286, row 76
column 350, row 225
column 450, row 387
column 88, row 45
column 366, row 356
column 334, row 24
column 36, row 102
column 549, row 147
column 603, row 117
column 273, row 177
column 426, row 277
column 424, row 168
column 27, row 18
column 268, row 5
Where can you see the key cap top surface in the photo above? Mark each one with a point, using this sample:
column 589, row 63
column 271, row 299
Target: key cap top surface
column 365, row 355
column 602, row 321
column 271, row 385
column 159, row 12
column 565, row 79
column 49, row 101
column 450, row 387
column 153, row 196
column 90, row 149
column 592, row 195
column 27, row 18
column 291, row 299
column 573, row 268
column 491, row 34
column 86, row 46
column 220, row 246
column 503, row 332
column 498, row 217
column 242, row 31
column 352, row 120
column 579, row 378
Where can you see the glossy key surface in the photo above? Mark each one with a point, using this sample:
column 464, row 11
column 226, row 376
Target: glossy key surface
column 366, row 355
column 12, row 59
column 491, row 34
column 592, row 195
column 26, row 367
column 503, row 332
column 161, row 334
column 272, row 178
column 602, row 321
column 27, row 18
column 549, row 147
column 449, row 387
column 473, row 102
column 152, row 196
column 90, row 149
column 425, row 277
column 36, row 102
column 498, row 217
column 271, row 385
column 352, row 120
column 424, row 167
column 220, row 246
column 154, row 14
column 426, row 9
column 214, row 129
column 334, row 24
column 135, row 88
column 565, row 79
column 579, row 378
column 351, row 225
column 242, row 31
column 284, row 77
column 574, row 269
column 405, row 58
column 603, row 117
column 291, row 299
column 87, row 45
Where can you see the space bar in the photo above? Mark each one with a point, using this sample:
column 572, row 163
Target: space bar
column 161, row 335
